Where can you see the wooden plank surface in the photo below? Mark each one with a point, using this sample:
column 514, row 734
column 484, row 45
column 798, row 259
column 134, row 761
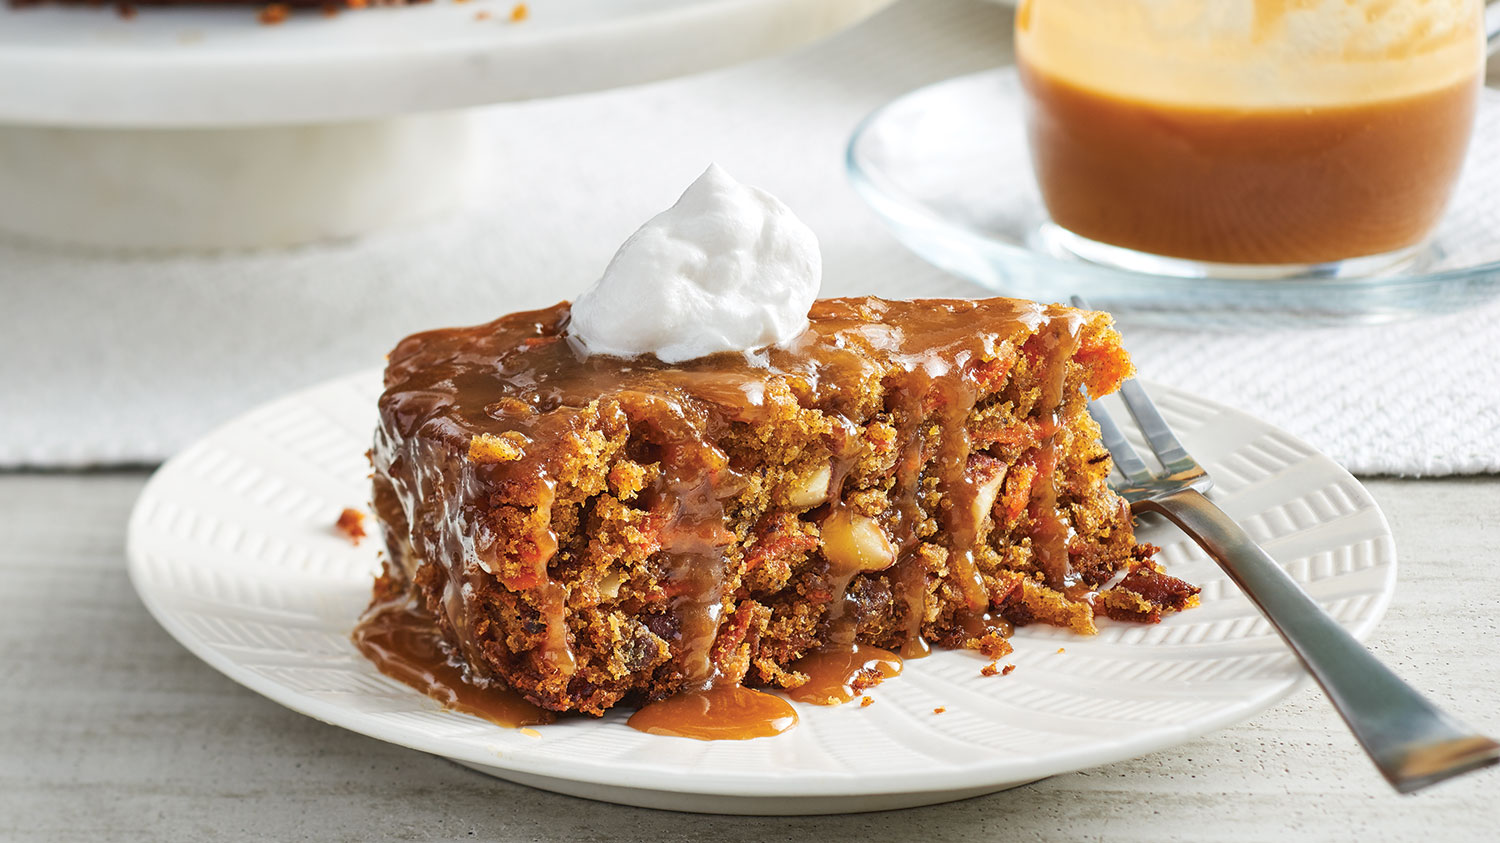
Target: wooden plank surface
column 109, row 730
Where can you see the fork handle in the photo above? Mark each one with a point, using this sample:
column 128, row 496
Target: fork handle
column 1411, row 741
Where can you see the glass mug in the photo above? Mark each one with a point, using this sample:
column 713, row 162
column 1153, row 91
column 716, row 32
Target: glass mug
column 1249, row 138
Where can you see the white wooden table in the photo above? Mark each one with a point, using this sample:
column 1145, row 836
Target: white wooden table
column 109, row 730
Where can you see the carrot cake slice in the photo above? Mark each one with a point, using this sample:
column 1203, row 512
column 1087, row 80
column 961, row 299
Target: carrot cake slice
column 588, row 527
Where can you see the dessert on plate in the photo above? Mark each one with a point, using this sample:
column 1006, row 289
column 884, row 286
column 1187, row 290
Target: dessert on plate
column 697, row 479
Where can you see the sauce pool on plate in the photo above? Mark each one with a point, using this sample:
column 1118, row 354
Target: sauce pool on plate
column 838, row 675
column 405, row 645
column 723, row 712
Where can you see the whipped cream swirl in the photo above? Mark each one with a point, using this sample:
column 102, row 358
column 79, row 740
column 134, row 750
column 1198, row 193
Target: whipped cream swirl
column 727, row 268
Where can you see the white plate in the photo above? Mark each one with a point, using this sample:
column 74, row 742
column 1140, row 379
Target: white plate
column 218, row 66
column 231, row 547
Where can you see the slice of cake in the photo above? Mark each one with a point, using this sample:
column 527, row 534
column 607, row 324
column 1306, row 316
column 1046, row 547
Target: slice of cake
column 587, row 528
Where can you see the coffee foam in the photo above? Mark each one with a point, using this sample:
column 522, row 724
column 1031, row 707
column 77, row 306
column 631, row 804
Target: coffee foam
column 1254, row 53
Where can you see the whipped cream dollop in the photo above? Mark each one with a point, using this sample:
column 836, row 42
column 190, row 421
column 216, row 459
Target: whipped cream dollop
column 727, row 268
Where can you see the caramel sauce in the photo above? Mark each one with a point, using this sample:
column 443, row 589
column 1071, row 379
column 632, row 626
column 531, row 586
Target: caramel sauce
column 1247, row 185
column 915, row 648
column 1076, row 589
column 1050, row 533
column 693, row 548
column 980, row 624
column 722, row 713
column 522, row 377
column 839, row 674
column 910, row 584
column 405, row 645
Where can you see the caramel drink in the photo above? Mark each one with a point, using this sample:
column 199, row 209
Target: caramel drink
column 1250, row 131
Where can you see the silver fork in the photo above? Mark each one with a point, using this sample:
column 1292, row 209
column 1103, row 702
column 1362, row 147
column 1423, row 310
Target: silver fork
column 1413, row 743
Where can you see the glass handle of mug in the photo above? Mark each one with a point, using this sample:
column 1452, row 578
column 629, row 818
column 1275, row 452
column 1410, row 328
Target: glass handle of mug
column 1492, row 27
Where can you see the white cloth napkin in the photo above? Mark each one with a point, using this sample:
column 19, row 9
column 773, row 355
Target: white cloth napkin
column 105, row 360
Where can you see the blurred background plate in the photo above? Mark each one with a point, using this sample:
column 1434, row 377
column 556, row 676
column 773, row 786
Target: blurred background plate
column 219, row 66
column 199, row 128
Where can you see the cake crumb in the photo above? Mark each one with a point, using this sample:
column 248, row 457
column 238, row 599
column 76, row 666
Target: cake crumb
column 529, row 732
column 989, row 670
column 1062, row 649
column 519, row 13
column 488, row 448
column 1007, row 670
column 352, row 524
column 939, row 710
column 866, row 702
column 274, row 13
column 481, row 15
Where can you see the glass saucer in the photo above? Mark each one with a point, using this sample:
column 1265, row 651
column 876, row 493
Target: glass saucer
column 947, row 167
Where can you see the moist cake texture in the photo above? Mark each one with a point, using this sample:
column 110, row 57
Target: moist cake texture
column 587, row 530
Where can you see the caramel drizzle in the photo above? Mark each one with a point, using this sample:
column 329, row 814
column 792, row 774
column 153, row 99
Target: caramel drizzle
column 961, row 526
column 909, row 578
column 842, row 622
column 552, row 596
column 837, row 674
column 695, row 479
column 693, row 554
column 1050, row 532
column 955, row 399
column 980, row 624
column 909, row 583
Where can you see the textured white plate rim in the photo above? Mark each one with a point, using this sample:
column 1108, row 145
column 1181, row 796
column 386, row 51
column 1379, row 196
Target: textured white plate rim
column 764, row 783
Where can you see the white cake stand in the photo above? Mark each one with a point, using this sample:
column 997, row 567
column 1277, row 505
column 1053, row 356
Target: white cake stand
column 201, row 128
